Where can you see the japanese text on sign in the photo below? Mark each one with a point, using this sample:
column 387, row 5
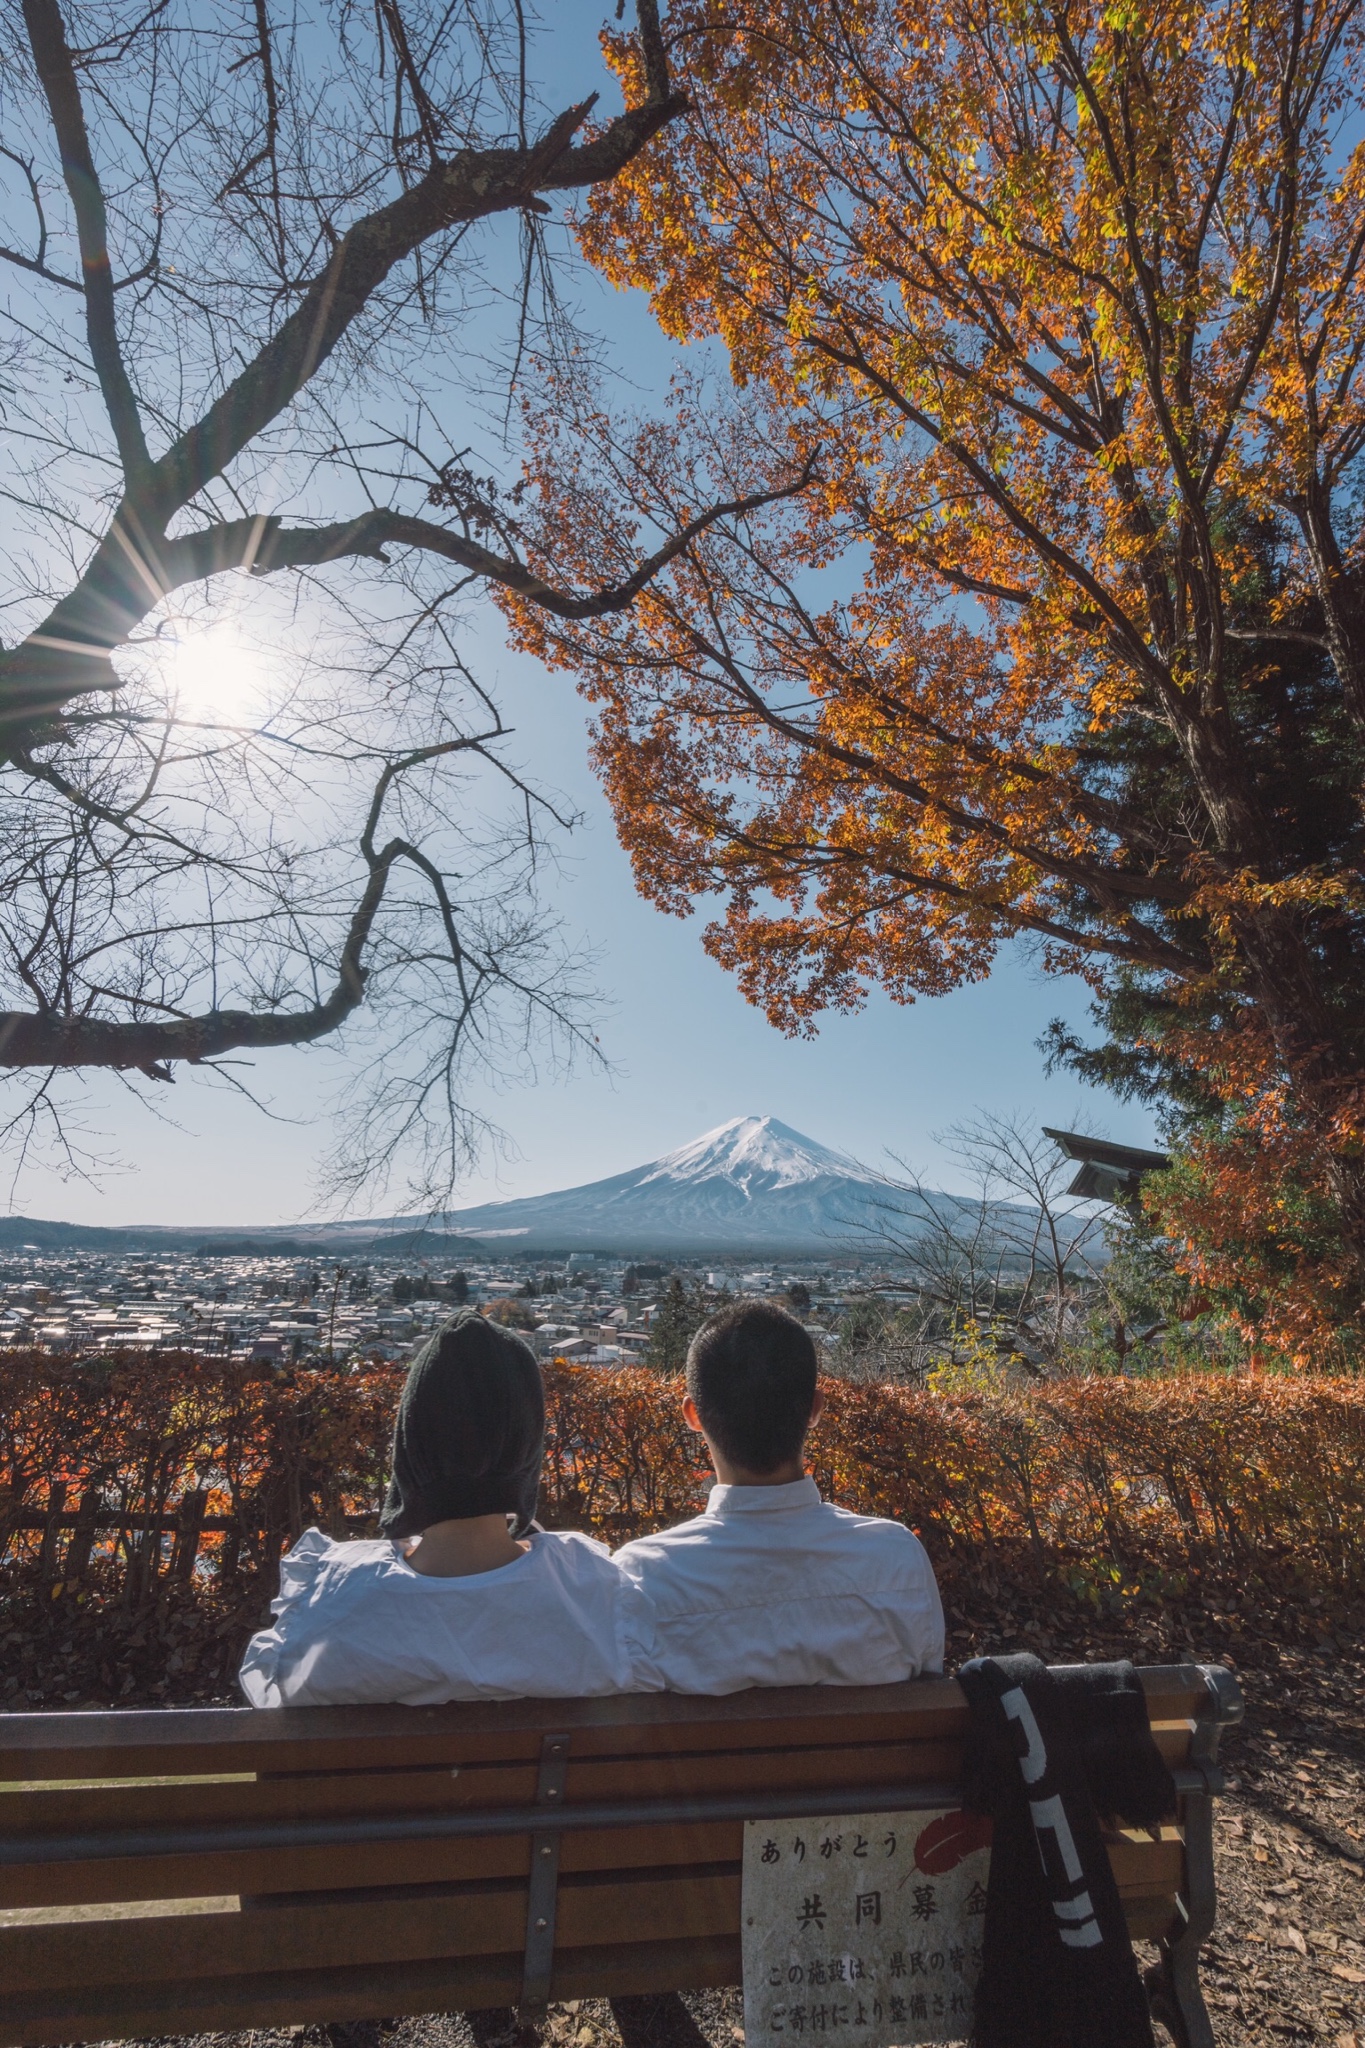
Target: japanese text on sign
column 863, row 1931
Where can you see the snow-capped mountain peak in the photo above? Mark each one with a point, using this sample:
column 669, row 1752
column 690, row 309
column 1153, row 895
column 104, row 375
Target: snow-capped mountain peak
column 755, row 1153
column 751, row 1185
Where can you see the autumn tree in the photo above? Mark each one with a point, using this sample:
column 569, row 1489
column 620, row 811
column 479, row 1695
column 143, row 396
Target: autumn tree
column 254, row 295
column 1063, row 306
column 512, row 1314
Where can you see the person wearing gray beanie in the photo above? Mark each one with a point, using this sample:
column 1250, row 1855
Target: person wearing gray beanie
column 470, row 1434
column 463, row 1595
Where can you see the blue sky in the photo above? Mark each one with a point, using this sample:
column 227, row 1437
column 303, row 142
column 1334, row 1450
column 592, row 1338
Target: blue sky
column 686, row 1051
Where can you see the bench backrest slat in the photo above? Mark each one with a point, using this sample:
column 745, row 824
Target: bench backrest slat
column 480, row 1787
column 234, row 1739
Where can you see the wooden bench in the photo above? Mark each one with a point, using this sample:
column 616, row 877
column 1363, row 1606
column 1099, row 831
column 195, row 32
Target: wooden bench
column 185, row 1871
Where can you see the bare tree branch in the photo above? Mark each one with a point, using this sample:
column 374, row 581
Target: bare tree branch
column 57, row 71
column 244, row 811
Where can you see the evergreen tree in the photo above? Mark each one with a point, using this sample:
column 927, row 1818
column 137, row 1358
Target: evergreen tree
column 677, row 1319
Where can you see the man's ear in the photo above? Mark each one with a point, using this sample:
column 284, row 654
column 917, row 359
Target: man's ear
column 690, row 1415
column 817, row 1406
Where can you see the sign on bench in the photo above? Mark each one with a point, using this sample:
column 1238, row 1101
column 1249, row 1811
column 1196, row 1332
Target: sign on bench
column 863, row 1930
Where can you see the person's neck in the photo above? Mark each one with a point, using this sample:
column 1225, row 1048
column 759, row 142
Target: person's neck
column 740, row 1475
column 463, row 1549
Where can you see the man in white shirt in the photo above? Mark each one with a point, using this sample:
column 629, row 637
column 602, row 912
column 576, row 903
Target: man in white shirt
column 772, row 1585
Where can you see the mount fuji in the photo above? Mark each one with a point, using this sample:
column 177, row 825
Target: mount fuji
column 751, row 1185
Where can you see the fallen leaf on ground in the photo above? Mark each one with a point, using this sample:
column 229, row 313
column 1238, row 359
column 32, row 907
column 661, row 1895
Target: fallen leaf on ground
column 1347, row 1974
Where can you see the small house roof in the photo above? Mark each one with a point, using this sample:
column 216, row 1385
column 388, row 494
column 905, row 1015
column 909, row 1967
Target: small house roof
column 1103, row 1152
column 1109, row 1172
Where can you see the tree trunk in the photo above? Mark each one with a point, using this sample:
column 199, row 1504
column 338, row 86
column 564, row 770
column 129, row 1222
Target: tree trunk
column 1343, row 602
column 83, row 1536
column 191, row 1523
column 47, row 1559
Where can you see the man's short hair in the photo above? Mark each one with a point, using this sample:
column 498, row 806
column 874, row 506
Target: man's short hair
column 751, row 1370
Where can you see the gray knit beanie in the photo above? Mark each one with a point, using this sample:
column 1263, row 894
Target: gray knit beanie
column 470, row 1433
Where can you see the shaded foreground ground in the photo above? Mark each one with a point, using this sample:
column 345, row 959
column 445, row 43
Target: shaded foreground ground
column 1287, row 1962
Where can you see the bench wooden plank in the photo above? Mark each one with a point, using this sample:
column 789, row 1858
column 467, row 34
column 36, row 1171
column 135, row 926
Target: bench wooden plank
column 1155, row 1919
column 469, row 1920
column 214, row 1740
column 198, row 2006
column 692, row 1777
column 370, row 1864
column 478, row 1917
column 495, row 1786
column 317, row 1996
column 365, row 1865
column 98, row 1807
column 67, row 2013
column 774, row 1770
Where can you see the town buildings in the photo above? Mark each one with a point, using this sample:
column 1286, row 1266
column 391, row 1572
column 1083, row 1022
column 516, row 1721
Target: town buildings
column 290, row 1309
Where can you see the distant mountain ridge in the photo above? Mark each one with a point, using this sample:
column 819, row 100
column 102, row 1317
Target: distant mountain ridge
column 752, row 1186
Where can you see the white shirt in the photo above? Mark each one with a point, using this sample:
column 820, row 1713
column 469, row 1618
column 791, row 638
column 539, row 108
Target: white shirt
column 356, row 1625
column 773, row 1586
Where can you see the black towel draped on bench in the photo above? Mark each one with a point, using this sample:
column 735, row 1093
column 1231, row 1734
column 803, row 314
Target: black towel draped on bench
column 1047, row 1752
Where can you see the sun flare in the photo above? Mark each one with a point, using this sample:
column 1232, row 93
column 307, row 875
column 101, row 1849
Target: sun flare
column 213, row 670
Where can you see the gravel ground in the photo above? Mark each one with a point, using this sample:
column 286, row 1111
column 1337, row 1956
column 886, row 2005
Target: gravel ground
column 1287, row 1960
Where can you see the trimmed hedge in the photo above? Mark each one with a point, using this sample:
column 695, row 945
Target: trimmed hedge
column 129, row 1471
